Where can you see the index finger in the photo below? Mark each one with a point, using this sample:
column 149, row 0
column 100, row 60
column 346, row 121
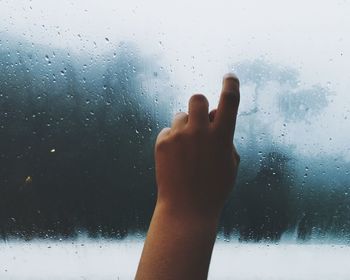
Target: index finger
column 226, row 114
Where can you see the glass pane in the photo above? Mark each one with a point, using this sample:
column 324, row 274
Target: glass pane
column 85, row 87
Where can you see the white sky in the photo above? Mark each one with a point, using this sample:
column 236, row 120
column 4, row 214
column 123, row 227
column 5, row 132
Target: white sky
column 196, row 41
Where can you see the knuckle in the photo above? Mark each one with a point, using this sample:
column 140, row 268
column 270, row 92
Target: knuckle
column 197, row 131
column 161, row 145
column 177, row 136
column 162, row 138
column 164, row 132
column 180, row 115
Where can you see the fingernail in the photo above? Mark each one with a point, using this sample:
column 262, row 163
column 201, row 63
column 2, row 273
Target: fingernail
column 230, row 82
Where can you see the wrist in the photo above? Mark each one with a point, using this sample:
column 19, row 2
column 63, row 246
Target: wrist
column 188, row 215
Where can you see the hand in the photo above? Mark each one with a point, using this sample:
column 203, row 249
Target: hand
column 196, row 165
column 196, row 161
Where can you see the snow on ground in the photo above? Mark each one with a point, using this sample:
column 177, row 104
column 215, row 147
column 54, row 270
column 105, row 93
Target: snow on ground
column 105, row 259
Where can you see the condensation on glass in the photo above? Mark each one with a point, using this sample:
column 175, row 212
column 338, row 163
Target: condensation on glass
column 84, row 90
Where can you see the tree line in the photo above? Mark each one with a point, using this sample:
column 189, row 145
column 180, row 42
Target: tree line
column 76, row 154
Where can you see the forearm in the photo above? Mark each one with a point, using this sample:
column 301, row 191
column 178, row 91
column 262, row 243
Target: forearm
column 178, row 245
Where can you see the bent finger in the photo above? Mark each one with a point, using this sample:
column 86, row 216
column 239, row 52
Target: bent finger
column 179, row 120
column 198, row 111
column 163, row 133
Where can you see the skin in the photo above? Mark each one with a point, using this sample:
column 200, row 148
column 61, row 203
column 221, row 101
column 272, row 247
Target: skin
column 196, row 166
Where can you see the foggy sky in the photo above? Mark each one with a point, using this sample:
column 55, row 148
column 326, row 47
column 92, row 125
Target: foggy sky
column 195, row 43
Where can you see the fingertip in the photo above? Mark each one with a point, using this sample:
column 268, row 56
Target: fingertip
column 228, row 104
column 230, row 75
column 230, row 82
column 198, row 110
column 199, row 98
column 230, row 89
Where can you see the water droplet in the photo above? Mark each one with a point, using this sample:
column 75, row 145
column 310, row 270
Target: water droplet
column 28, row 179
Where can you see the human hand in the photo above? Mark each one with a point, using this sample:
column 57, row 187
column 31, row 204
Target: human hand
column 196, row 161
column 196, row 165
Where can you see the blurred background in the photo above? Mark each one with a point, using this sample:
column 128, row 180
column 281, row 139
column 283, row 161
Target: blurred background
column 86, row 87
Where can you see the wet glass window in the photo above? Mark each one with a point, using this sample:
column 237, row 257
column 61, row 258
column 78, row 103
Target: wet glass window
column 85, row 88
